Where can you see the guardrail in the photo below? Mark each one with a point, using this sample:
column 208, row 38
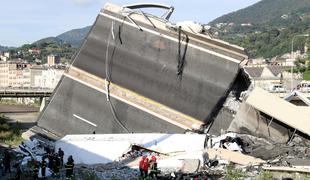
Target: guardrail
column 26, row 92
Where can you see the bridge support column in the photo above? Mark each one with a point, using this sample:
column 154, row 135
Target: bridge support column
column 43, row 103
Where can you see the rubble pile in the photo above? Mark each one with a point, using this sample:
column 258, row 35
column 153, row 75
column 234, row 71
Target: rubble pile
column 232, row 103
column 113, row 170
column 239, row 153
column 33, row 150
column 230, row 153
column 137, row 152
column 295, row 155
column 224, row 150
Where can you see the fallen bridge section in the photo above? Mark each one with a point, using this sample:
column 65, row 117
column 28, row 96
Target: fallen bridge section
column 281, row 110
column 80, row 109
column 139, row 74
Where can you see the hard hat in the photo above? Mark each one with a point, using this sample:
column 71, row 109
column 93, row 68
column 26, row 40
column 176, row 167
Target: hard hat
column 154, row 158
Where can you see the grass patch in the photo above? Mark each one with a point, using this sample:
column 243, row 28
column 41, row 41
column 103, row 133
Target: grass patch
column 307, row 75
column 266, row 175
column 10, row 133
column 234, row 174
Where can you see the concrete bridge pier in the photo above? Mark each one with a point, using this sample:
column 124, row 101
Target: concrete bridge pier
column 43, row 102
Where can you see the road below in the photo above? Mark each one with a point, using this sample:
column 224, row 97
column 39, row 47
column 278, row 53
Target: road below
column 6, row 108
column 25, row 115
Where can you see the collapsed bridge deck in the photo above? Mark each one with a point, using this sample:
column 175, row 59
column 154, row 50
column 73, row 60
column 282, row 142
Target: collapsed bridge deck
column 141, row 74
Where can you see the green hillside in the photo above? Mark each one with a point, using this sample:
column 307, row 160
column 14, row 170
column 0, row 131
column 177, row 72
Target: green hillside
column 263, row 11
column 266, row 28
column 74, row 37
column 46, row 46
column 49, row 40
column 65, row 45
column 3, row 48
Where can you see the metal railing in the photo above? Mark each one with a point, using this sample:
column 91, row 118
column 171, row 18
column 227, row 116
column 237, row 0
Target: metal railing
column 25, row 92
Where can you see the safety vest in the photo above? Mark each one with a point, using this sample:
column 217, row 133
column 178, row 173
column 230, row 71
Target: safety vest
column 153, row 167
column 69, row 166
column 43, row 165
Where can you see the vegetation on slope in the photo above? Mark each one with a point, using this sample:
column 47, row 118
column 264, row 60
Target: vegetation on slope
column 270, row 43
column 65, row 45
column 3, row 48
column 307, row 75
column 74, row 37
column 266, row 28
column 263, row 11
column 47, row 46
column 10, row 133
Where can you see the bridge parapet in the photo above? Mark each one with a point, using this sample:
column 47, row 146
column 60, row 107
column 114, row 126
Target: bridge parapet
column 25, row 92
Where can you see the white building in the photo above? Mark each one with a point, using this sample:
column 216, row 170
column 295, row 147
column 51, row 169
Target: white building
column 289, row 62
column 48, row 78
column 7, row 54
column 4, row 58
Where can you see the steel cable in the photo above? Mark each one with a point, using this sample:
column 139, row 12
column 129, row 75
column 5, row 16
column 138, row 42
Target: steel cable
column 108, row 79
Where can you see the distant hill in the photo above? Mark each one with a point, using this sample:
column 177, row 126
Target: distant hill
column 49, row 40
column 3, row 48
column 65, row 44
column 266, row 28
column 263, row 11
column 74, row 37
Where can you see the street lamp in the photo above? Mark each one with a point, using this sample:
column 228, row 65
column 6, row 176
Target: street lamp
column 292, row 51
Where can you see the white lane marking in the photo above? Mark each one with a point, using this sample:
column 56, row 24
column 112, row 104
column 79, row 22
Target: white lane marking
column 174, row 39
column 82, row 119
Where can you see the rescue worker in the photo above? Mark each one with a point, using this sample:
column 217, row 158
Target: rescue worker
column 61, row 156
column 50, row 160
column 7, row 162
column 141, row 166
column 56, row 165
column 18, row 175
column 43, row 168
column 35, row 170
column 69, row 167
column 153, row 168
column 145, row 167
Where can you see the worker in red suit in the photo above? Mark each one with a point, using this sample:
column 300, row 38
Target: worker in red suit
column 141, row 166
column 145, row 167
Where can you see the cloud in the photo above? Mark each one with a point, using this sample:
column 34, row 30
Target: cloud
column 83, row 2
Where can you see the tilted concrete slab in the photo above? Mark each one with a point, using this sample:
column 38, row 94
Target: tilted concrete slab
column 142, row 64
column 249, row 120
column 283, row 111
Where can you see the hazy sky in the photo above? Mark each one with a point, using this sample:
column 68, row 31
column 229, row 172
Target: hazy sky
column 25, row 21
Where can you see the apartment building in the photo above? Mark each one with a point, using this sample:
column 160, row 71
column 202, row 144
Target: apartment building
column 20, row 74
column 53, row 59
column 14, row 74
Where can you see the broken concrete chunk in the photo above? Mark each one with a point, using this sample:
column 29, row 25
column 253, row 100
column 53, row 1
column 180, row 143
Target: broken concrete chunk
column 190, row 165
column 234, row 157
